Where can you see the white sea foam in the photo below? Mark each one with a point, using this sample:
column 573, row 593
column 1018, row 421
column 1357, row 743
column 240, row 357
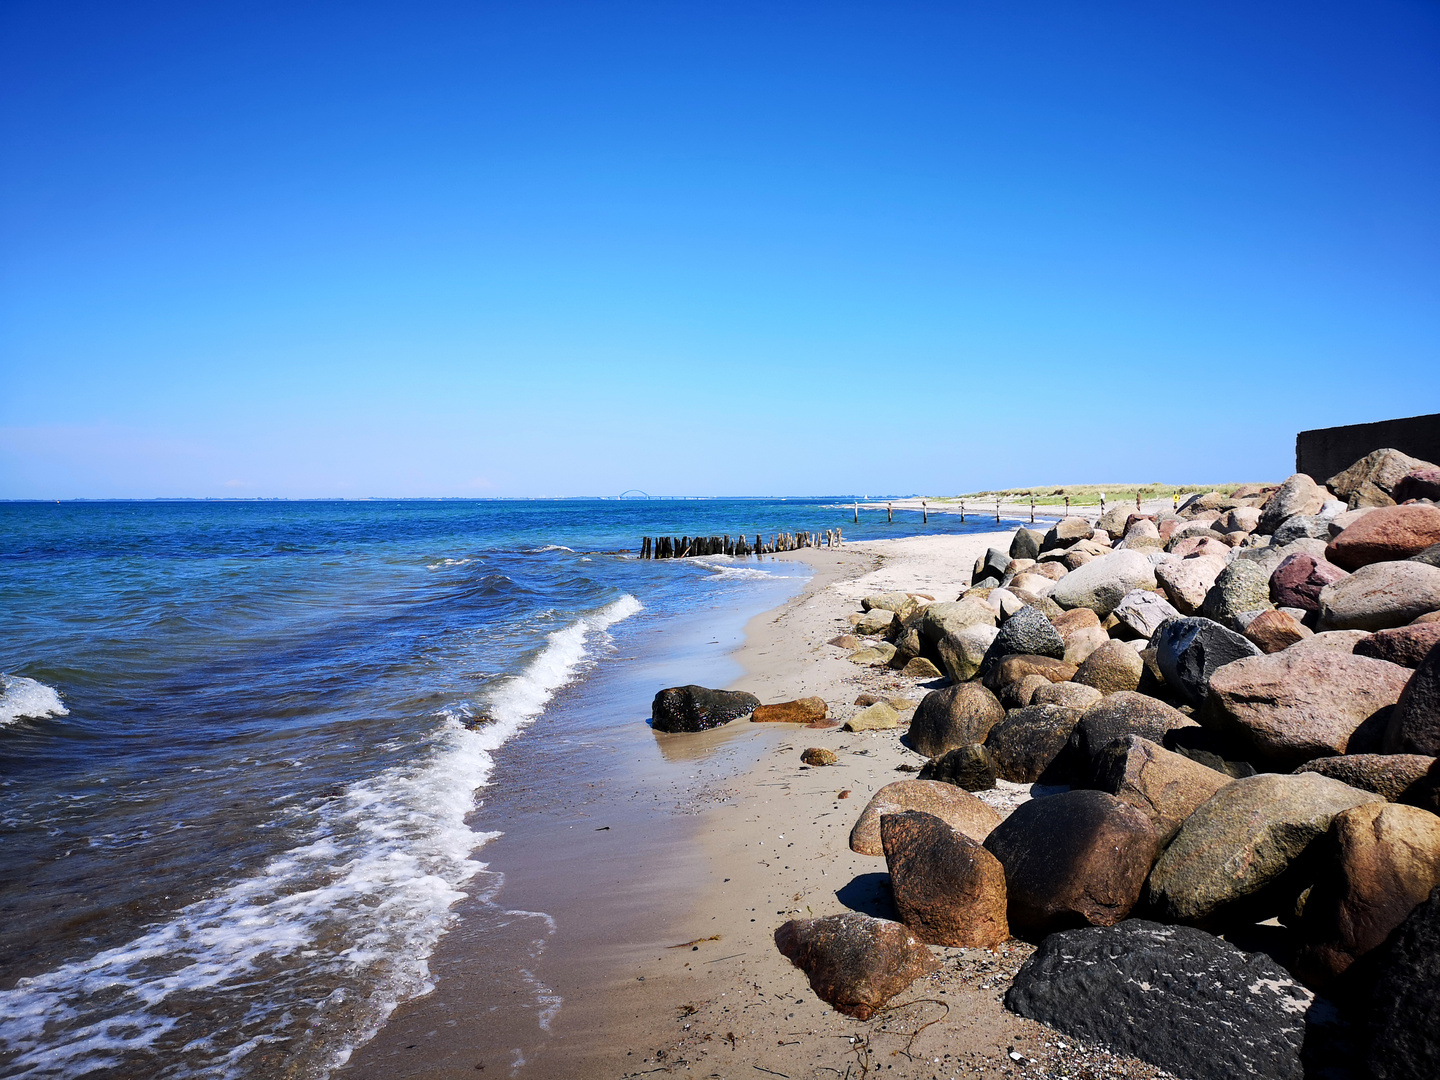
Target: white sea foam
column 553, row 547
column 366, row 896
column 22, row 697
column 449, row 562
column 725, row 567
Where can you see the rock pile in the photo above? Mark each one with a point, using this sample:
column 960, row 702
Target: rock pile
column 1243, row 700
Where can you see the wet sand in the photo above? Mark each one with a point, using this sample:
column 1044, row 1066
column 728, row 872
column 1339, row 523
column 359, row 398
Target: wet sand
column 668, row 964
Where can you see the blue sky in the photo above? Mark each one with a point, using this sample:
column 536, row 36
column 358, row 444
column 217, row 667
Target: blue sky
column 535, row 248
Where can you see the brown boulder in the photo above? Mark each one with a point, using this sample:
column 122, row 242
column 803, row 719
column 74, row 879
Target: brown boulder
column 948, row 889
column 1299, row 494
column 806, row 710
column 1017, row 695
column 1075, row 619
column 955, row 716
column 1377, row 863
column 1390, row 775
column 1112, row 668
column 1293, row 706
column 1273, row 631
column 1415, row 727
column 855, row 962
column 1073, row 859
column 952, row 805
column 1072, row 695
column 1386, row 535
column 1164, row 786
column 1298, row 579
column 1027, row 742
column 1380, row 469
column 1403, row 645
column 817, row 756
column 1014, row 668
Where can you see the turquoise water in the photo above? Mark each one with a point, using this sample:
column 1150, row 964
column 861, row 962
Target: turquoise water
column 240, row 745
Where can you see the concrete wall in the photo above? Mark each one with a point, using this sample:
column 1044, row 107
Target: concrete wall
column 1324, row 452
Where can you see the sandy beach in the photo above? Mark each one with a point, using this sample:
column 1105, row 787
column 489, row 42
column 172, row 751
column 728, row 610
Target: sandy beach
column 676, row 970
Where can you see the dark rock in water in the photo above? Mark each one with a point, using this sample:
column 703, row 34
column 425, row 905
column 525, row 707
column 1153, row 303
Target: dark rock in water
column 1028, row 633
column 1374, row 866
column 1070, row 859
column 1027, row 742
column 1400, row 1030
column 1174, row 996
column 1391, row 775
column 1297, row 581
column 1188, row 652
column 970, row 767
column 855, row 962
column 1415, row 727
column 955, row 716
column 697, row 708
column 948, row 889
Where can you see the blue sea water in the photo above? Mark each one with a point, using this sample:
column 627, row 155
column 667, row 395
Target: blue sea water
column 241, row 744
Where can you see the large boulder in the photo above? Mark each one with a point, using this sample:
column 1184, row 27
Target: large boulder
column 1066, row 532
column 962, row 652
column 1297, row 581
column 1241, row 856
column 697, row 708
column 948, row 889
column 957, row 715
column 1027, row 632
column 1404, row 645
column 1187, row 580
column 948, row 617
column 1026, row 543
column 855, row 962
column 1377, row 863
column 1027, row 742
column 1289, row 707
column 1081, row 630
column 1241, row 587
column 1141, row 612
column 1422, row 483
column 1379, row 596
column 806, row 710
column 1394, row 776
column 1386, row 535
column 1297, row 495
column 1014, row 668
column 1111, row 668
column 1275, row 631
column 1189, row 651
column 1071, row 859
column 1103, row 582
column 1415, row 727
column 1164, row 786
column 970, row 767
column 1382, row 469
column 952, row 805
column 1070, row 694
column 880, row 716
column 1400, row 1027
column 1302, row 527
column 1173, row 996
column 1117, row 716
column 890, row 601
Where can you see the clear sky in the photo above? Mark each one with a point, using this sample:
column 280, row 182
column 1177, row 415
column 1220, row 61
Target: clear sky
column 531, row 248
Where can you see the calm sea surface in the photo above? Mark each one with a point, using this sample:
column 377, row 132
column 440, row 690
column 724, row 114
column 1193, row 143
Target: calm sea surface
column 241, row 744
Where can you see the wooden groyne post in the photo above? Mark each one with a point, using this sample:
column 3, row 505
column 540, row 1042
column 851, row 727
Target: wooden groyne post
column 685, row 547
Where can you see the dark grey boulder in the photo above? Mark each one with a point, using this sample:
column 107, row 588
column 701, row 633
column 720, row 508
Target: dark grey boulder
column 970, row 767
column 1415, row 725
column 1026, row 544
column 1430, row 556
column 1026, row 743
column 1302, row 527
column 697, row 708
column 1188, row 651
column 1113, row 717
column 1174, row 996
column 1400, row 1000
column 1028, row 632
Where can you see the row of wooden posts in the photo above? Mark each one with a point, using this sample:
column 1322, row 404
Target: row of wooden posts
column 684, row 547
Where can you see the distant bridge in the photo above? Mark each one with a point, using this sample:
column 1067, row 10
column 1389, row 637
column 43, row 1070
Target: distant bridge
column 633, row 491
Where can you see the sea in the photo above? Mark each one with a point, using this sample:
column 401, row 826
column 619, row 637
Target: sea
column 247, row 748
